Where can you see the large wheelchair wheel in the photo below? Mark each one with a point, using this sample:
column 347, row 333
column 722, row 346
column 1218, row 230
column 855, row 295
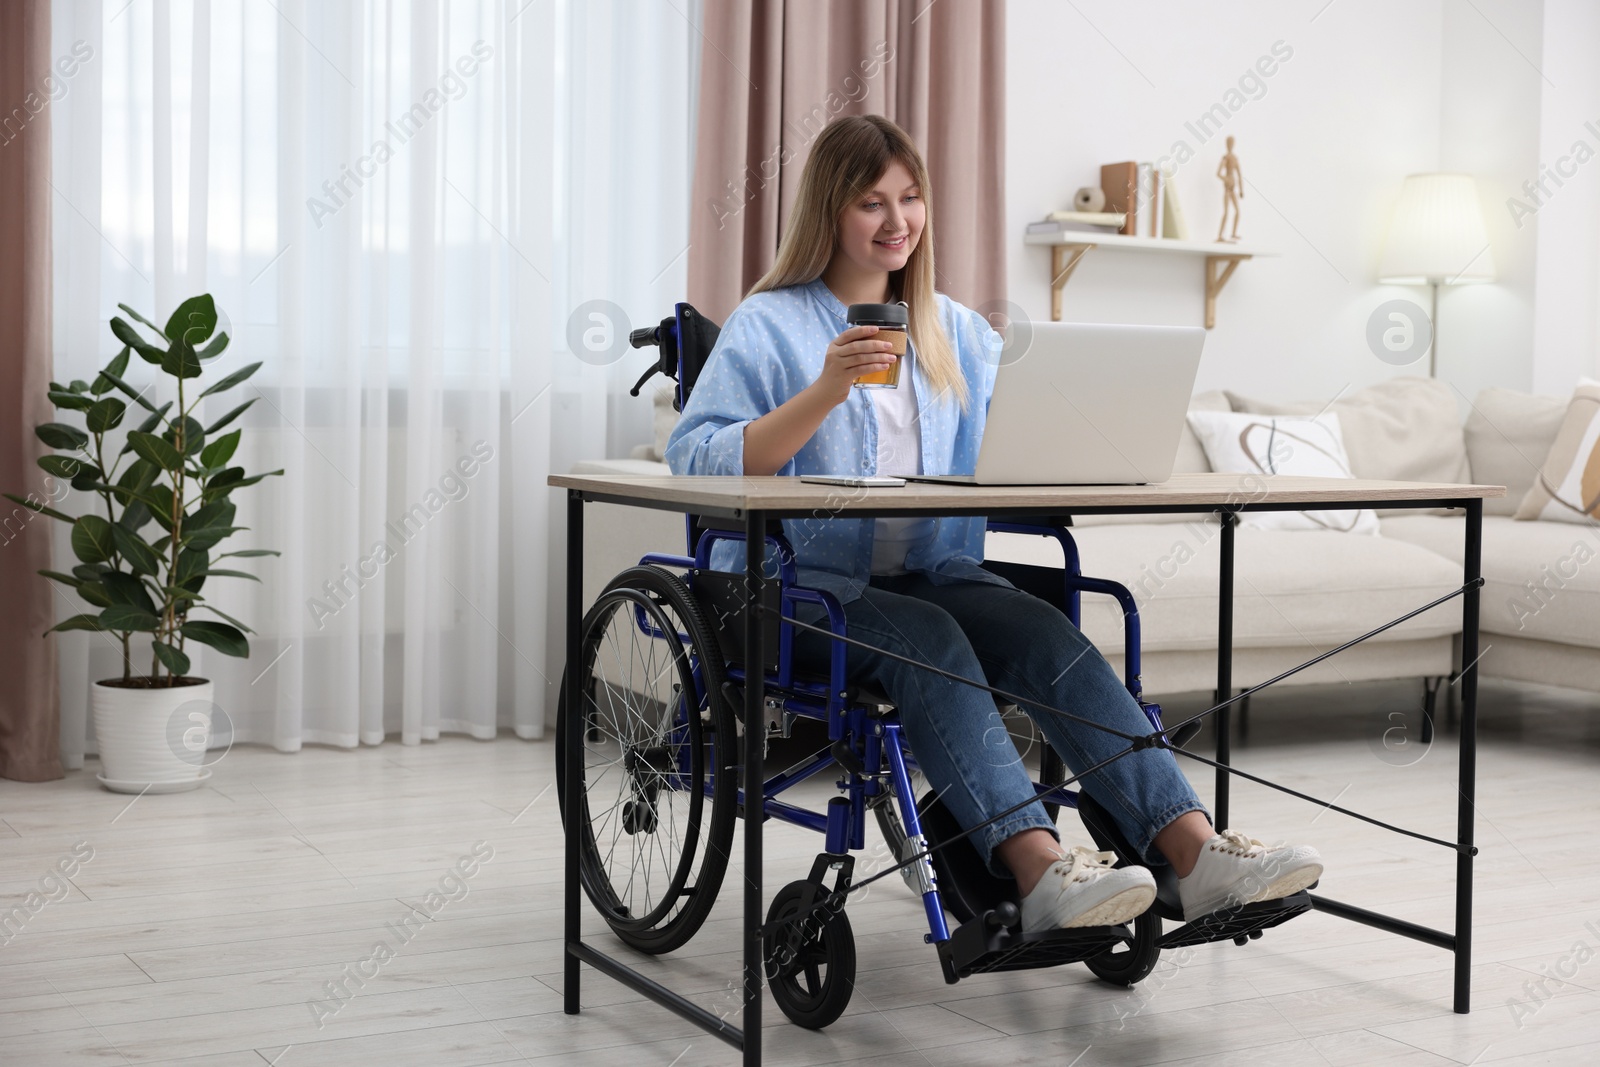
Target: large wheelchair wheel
column 657, row 758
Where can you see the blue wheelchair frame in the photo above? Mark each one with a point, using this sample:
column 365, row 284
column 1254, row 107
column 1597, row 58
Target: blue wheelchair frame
column 879, row 744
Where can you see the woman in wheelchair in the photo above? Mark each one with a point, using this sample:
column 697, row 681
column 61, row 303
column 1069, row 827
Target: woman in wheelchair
column 776, row 397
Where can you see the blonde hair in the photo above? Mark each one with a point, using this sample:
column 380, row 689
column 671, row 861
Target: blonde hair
column 848, row 158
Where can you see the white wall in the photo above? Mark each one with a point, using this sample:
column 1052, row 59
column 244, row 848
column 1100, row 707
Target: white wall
column 1373, row 91
column 1568, row 220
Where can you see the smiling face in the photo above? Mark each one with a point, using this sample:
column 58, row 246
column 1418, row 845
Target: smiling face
column 878, row 231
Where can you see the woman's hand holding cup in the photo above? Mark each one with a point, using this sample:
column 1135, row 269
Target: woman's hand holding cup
column 857, row 351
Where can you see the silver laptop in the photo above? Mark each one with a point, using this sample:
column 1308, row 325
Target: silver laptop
column 1087, row 404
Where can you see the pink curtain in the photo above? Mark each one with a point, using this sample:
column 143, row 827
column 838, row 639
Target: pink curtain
column 29, row 708
column 773, row 73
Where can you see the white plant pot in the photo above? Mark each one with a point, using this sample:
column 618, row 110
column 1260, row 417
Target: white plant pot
column 152, row 740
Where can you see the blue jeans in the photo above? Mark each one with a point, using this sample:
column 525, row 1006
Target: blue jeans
column 1021, row 644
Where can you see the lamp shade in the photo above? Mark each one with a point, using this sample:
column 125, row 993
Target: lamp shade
column 1437, row 234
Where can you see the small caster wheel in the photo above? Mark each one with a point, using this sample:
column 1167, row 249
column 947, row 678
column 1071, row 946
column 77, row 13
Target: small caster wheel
column 1241, row 940
column 1131, row 963
column 1255, row 935
column 811, row 962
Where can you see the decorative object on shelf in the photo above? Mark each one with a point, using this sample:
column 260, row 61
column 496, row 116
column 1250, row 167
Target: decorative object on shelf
column 1120, row 181
column 1437, row 237
column 152, row 728
column 1232, row 190
column 1150, row 182
column 1089, row 198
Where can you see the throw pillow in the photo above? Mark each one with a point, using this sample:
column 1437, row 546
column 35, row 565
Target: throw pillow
column 665, row 418
column 1508, row 433
column 1567, row 488
column 1241, row 443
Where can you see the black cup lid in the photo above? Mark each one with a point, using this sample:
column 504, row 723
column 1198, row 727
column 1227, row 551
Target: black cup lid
column 878, row 315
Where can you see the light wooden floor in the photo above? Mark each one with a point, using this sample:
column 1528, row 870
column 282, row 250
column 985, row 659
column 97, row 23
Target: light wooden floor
column 207, row 926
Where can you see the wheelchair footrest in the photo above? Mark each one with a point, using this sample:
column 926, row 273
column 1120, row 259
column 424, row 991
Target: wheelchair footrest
column 994, row 941
column 1239, row 923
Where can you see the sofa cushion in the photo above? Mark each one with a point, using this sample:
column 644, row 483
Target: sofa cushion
column 1568, row 486
column 620, row 466
column 1191, row 459
column 1541, row 579
column 1508, row 434
column 1403, row 429
column 1305, row 588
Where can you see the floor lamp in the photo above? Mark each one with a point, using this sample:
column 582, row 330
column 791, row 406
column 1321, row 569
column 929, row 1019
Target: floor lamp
column 1437, row 237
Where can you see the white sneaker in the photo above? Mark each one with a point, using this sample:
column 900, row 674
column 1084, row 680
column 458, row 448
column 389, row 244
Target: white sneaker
column 1234, row 870
column 1083, row 889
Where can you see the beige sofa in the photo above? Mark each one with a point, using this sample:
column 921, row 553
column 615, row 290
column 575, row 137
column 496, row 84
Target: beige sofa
column 1300, row 592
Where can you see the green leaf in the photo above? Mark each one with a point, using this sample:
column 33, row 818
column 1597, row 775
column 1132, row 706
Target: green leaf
column 117, row 367
column 215, row 513
column 68, row 467
column 140, row 556
column 225, row 615
column 95, row 593
column 211, row 536
column 250, row 553
column 60, row 435
column 224, row 638
column 171, row 658
column 219, row 573
column 90, row 572
column 77, row 622
column 218, row 452
column 128, row 617
column 159, row 498
column 156, row 450
column 194, row 436
column 38, row 508
column 154, row 420
column 180, row 361
column 192, row 564
column 128, row 590
column 134, row 515
column 232, row 380
column 105, row 415
column 193, row 321
column 134, row 314
column 214, row 348
column 79, row 386
column 115, row 377
column 130, row 337
column 64, row 579
column 181, row 595
column 221, row 485
column 92, row 540
column 230, row 416
column 70, row 401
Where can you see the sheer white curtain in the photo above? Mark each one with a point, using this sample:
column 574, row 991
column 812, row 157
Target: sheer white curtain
column 381, row 197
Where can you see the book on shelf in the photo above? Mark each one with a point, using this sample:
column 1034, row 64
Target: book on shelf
column 1050, row 227
column 1174, row 225
column 1120, row 183
column 1099, row 218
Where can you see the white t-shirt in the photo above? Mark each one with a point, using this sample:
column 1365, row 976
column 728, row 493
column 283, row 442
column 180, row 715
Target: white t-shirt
column 899, row 452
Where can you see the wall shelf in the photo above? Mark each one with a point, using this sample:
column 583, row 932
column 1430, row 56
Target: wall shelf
column 1067, row 249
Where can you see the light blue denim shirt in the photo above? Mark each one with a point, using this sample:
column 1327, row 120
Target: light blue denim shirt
column 772, row 347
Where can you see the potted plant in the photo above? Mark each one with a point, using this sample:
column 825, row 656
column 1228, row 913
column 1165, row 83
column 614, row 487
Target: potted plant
column 143, row 565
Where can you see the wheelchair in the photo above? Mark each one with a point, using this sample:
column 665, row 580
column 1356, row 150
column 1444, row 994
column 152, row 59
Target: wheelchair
column 660, row 728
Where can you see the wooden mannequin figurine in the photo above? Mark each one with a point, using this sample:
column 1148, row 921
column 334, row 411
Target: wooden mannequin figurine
column 1232, row 189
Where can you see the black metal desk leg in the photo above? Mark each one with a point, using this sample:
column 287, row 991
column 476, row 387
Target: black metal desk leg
column 1224, row 663
column 574, row 745
column 754, row 777
column 1472, row 566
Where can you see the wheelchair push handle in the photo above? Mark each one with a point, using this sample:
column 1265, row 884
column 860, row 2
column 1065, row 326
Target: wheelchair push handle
column 644, row 337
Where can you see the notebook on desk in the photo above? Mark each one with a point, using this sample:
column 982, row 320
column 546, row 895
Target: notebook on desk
column 1087, row 404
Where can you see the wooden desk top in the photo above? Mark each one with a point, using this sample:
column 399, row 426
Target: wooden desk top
column 731, row 497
